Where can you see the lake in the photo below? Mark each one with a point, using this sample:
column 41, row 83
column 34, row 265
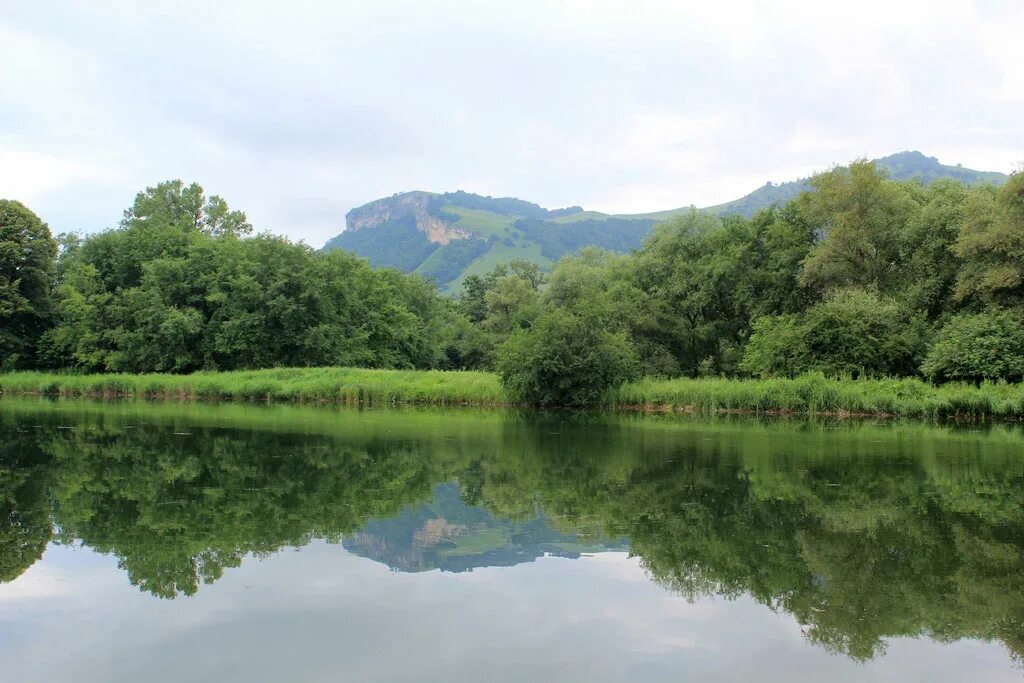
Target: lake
column 190, row 542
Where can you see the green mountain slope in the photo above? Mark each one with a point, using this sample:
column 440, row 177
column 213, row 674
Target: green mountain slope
column 447, row 237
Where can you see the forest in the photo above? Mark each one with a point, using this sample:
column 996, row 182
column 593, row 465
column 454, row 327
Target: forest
column 858, row 277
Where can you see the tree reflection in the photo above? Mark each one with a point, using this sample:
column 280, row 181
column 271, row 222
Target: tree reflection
column 862, row 533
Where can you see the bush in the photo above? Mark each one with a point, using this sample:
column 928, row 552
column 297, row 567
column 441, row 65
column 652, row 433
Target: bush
column 974, row 348
column 854, row 332
column 565, row 360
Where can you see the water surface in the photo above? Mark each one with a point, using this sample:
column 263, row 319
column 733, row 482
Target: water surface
column 242, row 543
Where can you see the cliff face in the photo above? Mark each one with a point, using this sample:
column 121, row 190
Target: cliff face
column 422, row 207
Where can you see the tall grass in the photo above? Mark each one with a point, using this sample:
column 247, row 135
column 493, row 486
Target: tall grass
column 809, row 394
column 817, row 394
column 335, row 385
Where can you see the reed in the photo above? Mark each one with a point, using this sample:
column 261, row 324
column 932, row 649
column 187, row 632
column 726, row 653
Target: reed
column 325, row 385
column 817, row 394
column 808, row 394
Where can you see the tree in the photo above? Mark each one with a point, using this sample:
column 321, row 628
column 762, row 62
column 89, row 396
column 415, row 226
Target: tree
column 187, row 207
column 27, row 253
column 565, row 359
column 860, row 217
column 175, row 290
column 930, row 264
column 991, row 244
column 973, row 348
column 853, row 332
column 496, row 305
column 706, row 278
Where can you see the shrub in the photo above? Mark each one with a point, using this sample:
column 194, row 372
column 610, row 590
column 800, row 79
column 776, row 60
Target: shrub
column 854, row 332
column 974, row 348
column 565, row 360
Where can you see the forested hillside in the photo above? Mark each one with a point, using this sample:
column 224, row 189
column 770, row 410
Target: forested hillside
column 446, row 237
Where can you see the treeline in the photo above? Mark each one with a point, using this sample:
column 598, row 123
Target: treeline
column 181, row 285
column 861, row 276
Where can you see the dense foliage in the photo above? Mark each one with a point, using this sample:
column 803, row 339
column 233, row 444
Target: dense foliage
column 27, row 252
column 978, row 347
column 859, row 276
column 178, row 287
column 565, row 360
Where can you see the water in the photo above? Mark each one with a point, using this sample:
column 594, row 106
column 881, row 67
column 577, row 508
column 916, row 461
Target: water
column 233, row 543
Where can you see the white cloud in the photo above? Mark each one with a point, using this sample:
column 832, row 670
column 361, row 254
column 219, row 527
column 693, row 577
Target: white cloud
column 298, row 112
column 26, row 176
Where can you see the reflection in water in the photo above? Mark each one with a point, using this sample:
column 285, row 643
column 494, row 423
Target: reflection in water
column 448, row 534
column 861, row 532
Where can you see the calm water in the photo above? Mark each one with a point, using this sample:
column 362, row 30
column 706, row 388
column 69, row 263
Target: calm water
column 145, row 542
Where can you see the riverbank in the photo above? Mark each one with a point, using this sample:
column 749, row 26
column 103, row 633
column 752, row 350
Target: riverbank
column 314, row 385
column 809, row 394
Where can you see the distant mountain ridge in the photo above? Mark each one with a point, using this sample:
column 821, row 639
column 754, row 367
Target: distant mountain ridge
column 447, row 534
column 447, row 237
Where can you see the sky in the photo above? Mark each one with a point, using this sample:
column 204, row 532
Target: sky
column 324, row 615
column 296, row 112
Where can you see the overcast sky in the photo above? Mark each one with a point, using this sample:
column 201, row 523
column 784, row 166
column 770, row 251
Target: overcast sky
column 298, row 111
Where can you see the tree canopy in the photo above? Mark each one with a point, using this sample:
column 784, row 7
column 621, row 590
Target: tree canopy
column 859, row 275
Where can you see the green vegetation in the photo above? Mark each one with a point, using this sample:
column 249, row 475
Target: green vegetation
column 817, row 394
column 807, row 394
column 393, row 232
column 861, row 532
column 974, row 348
column 178, row 288
column 26, row 260
column 565, row 360
column 852, row 332
column 341, row 385
column 861, row 276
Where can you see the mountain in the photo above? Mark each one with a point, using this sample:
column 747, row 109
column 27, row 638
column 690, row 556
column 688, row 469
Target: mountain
column 447, row 237
column 449, row 535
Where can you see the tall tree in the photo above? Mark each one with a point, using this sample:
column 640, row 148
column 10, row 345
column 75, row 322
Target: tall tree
column 991, row 245
column 185, row 206
column 27, row 253
column 860, row 217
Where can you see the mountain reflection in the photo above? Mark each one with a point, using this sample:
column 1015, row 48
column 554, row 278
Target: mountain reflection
column 862, row 533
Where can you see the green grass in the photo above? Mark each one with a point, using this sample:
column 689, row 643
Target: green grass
column 498, row 253
column 816, row 394
column 336, row 385
column 479, row 221
column 809, row 394
column 577, row 217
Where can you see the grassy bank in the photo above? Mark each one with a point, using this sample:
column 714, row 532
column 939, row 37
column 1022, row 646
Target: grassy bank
column 815, row 394
column 810, row 394
column 336, row 385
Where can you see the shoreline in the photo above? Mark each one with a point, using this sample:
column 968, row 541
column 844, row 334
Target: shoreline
column 808, row 395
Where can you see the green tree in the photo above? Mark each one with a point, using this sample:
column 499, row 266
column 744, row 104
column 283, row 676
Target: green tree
column 707, row 278
column 172, row 203
column 861, row 217
column 496, row 305
column 973, row 348
column 853, row 332
column 991, row 245
column 178, row 288
column 27, row 253
column 930, row 264
column 565, row 359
